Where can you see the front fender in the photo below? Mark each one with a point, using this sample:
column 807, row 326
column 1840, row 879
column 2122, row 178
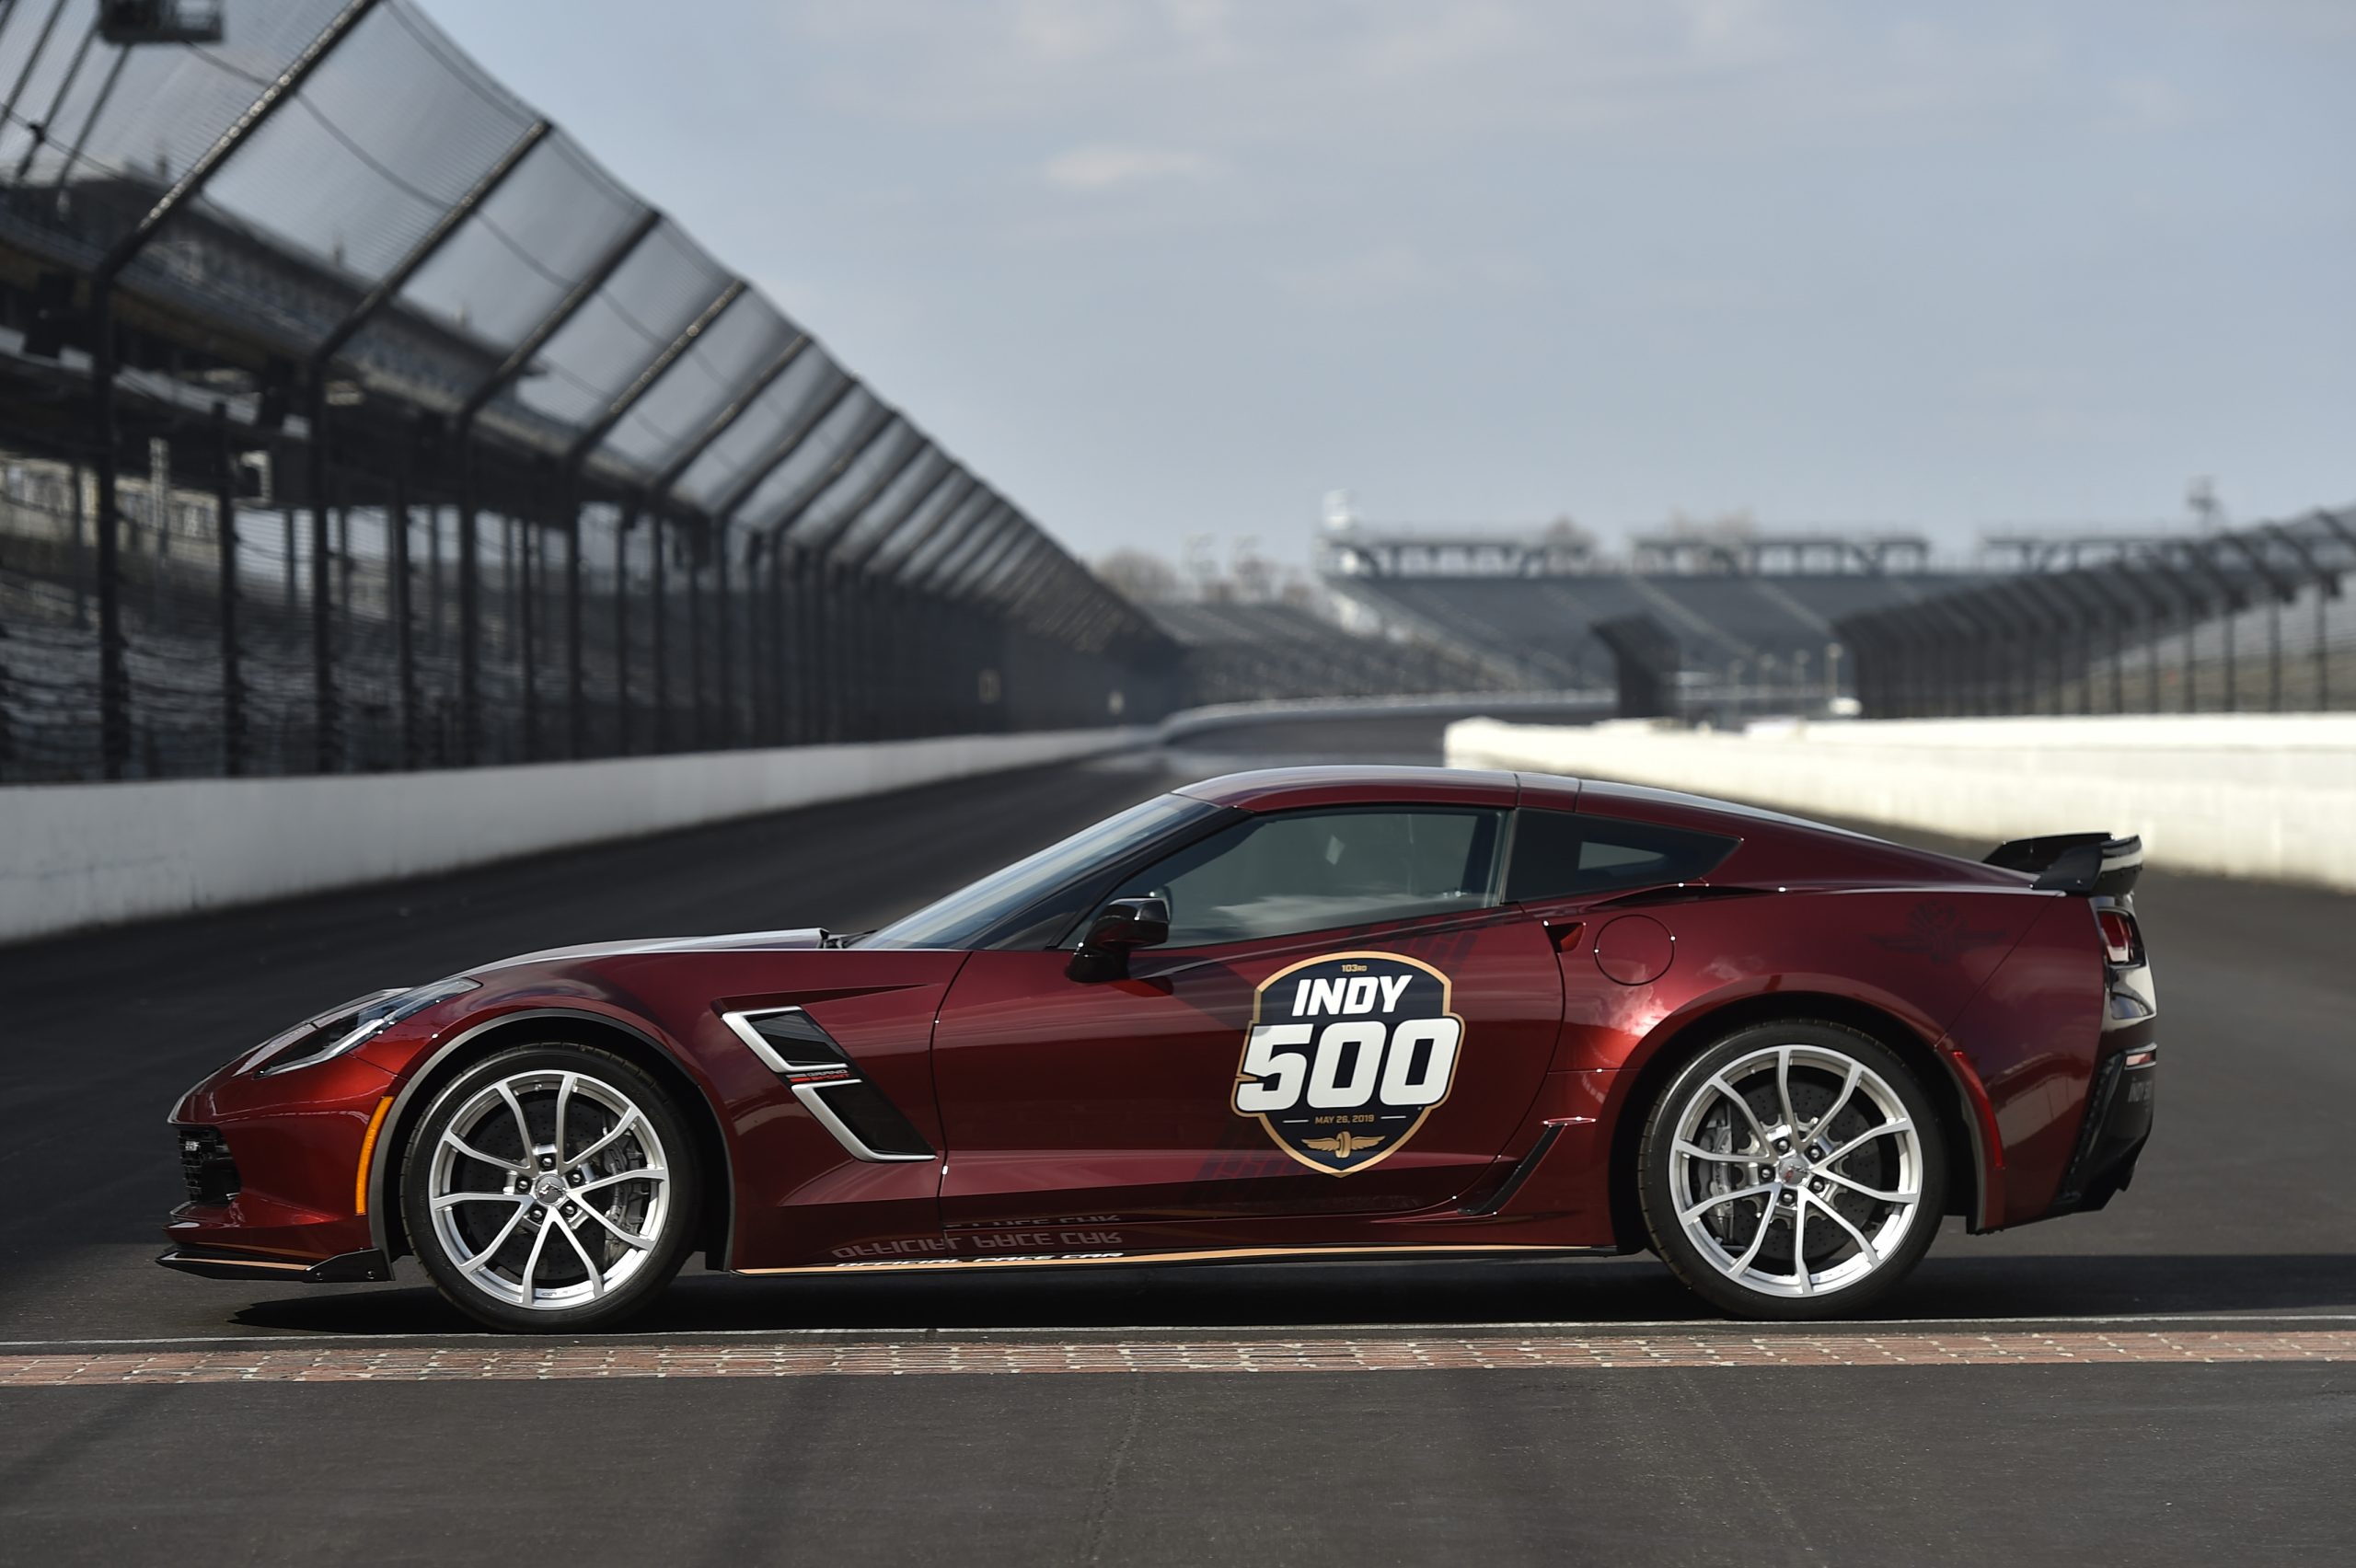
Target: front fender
column 422, row 1060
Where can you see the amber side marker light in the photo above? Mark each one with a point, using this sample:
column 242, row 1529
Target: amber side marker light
column 368, row 1148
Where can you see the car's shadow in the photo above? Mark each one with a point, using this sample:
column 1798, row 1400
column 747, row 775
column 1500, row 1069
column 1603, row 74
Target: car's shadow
column 1470, row 1296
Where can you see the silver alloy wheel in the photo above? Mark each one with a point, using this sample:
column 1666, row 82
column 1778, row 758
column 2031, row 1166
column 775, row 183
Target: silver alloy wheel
column 1779, row 1135
column 548, row 1188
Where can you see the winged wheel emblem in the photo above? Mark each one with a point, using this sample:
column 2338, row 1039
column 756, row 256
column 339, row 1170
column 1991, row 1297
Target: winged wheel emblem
column 1343, row 1145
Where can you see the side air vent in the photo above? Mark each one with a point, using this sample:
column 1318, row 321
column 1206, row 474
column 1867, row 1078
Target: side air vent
column 793, row 1028
column 876, row 1127
column 829, row 1084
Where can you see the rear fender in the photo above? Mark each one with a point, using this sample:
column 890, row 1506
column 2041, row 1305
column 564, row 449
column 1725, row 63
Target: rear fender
column 1975, row 1156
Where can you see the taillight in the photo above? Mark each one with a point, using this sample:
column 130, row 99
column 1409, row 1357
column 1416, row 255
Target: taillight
column 2118, row 936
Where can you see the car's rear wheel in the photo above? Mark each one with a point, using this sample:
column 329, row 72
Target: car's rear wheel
column 550, row 1187
column 1792, row 1170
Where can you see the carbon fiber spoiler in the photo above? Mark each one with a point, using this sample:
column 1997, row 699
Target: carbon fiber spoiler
column 2090, row 864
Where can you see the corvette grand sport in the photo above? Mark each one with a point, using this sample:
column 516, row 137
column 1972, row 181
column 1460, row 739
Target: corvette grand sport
column 1305, row 1012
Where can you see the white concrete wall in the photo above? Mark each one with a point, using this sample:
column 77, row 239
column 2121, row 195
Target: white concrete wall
column 2238, row 794
column 78, row 854
column 1279, row 710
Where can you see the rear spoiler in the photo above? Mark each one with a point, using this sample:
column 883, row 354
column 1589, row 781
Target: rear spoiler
column 2089, row 864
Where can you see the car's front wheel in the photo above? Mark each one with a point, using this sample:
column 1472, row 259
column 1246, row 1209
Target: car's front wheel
column 550, row 1187
column 1792, row 1170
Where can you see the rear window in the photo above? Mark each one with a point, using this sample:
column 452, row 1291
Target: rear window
column 1562, row 854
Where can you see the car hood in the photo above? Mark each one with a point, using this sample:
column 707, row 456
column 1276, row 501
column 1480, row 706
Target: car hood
column 736, row 941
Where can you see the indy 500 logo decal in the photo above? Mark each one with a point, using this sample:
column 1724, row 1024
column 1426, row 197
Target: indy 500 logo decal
column 1346, row 1056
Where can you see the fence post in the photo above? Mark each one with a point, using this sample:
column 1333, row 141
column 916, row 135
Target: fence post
column 775, row 655
column 695, row 652
column 724, row 721
column 824, row 617
column 224, row 512
column 527, row 532
column 114, row 675
column 576, row 719
column 81, row 548
column 2233, row 681
column 801, row 731
column 404, row 644
column 660, row 614
column 626, row 520
column 325, row 754
column 434, row 620
column 469, row 564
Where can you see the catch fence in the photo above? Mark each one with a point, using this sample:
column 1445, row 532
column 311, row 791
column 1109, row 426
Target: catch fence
column 352, row 417
column 2250, row 619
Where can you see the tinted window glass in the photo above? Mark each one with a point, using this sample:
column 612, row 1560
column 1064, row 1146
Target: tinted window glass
column 1313, row 871
column 1557, row 854
column 965, row 917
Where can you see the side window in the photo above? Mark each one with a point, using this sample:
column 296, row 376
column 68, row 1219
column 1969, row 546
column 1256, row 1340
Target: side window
column 1311, row 870
column 1559, row 854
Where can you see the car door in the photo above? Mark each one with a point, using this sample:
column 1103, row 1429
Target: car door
column 1343, row 1021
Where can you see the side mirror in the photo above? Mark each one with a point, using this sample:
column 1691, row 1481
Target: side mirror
column 1130, row 922
column 1125, row 923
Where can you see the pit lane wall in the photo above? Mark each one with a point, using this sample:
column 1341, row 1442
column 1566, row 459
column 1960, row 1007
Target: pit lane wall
column 80, row 855
column 2246, row 795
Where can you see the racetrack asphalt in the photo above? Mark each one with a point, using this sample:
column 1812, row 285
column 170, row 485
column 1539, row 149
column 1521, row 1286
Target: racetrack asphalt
column 2241, row 1220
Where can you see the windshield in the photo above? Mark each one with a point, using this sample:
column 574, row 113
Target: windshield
column 962, row 919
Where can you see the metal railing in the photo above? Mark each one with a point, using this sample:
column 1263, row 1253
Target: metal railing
column 352, row 417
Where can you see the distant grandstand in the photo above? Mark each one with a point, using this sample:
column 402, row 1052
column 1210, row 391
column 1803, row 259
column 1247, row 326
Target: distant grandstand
column 1239, row 652
column 1727, row 623
column 1742, row 619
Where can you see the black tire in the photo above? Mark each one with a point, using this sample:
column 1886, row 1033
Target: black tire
column 1860, row 1248
column 602, row 1150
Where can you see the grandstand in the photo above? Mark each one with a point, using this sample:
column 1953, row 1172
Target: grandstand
column 1239, row 652
column 1754, row 615
column 2058, row 620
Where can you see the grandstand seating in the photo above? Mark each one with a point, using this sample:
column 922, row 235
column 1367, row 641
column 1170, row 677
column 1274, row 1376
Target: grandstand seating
column 1241, row 652
column 1545, row 625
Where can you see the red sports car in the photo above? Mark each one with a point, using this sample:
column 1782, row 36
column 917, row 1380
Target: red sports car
column 1310, row 1012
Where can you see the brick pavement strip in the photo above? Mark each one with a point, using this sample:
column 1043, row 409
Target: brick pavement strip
column 310, row 1362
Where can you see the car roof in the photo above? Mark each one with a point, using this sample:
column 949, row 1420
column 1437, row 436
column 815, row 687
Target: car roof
column 1775, row 848
column 1287, row 789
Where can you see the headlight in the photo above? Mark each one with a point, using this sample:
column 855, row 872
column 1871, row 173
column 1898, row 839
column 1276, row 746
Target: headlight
column 340, row 1030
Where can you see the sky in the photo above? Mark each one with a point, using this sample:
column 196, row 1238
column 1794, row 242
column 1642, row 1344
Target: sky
column 1179, row 267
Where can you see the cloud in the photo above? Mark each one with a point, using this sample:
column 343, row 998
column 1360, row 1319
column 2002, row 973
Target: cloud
column 1105, row 168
